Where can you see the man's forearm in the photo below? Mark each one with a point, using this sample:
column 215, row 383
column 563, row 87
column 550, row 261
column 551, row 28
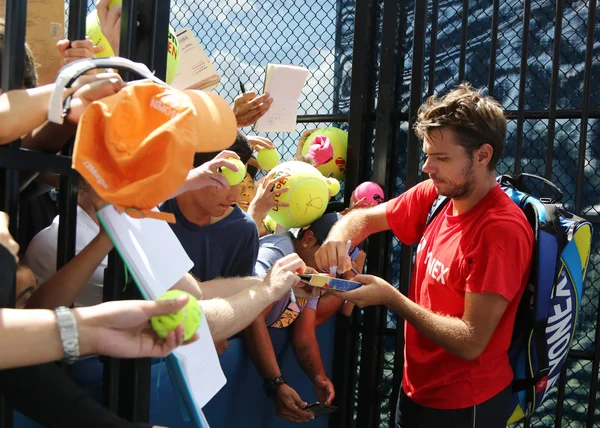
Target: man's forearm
column 451, row 333
column 23, row 110
column 307, row 351
column 353, row 226
column 258, row 341
column 228, row 316
column 216, row 288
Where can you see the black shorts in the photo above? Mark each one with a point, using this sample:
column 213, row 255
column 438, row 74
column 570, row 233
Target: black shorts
column 493, row 413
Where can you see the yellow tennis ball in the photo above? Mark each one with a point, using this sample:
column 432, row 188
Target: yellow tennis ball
column 93, row 31
column 334, row 186
column 190, row 316
column 339, row 140
column 270, row 224
column 268, row 158
column 307, row 196
column 234, row 177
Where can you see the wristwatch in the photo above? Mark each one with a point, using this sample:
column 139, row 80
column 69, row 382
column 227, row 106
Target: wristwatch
column 271, row 385
column 67, row 327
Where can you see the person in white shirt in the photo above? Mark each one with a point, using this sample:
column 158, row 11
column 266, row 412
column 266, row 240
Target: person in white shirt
column 41, row 252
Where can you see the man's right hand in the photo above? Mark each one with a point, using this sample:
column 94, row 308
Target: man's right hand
column 6, row 238
column 283, row 275
column 289, row 405
column 333, row 254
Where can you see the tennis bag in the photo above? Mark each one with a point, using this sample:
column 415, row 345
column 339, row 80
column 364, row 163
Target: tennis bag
column 547, row 314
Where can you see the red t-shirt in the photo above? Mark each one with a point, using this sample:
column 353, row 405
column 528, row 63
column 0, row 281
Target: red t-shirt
column 486, row 249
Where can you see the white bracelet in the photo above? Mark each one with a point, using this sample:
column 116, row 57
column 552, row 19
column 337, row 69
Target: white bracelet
column 67, row 327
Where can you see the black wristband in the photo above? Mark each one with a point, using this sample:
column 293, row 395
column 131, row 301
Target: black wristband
column 271, row 385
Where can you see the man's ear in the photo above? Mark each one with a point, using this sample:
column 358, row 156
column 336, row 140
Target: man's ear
column 484, row 155
column 309, row 239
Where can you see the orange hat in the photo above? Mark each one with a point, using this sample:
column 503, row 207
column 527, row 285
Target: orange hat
column 136, row 147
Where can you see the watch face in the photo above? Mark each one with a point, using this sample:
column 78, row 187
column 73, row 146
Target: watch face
column 271, row 385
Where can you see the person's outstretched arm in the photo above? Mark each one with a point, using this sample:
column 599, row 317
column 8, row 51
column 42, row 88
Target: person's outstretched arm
column 63, row 288
column 22, row 111
column 231, row 304
column 118, row 329
column 355, row 226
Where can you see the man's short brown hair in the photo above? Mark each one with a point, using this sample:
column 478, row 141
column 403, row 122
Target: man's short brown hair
column 476, row 120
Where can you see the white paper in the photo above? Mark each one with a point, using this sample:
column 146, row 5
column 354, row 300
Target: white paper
column 201, row 366
column 284, row 83
column 149, row 248
column 157, row 261
column 195, row 70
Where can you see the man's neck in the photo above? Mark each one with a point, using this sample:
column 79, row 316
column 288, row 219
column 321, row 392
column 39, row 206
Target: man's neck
column 479, row 192
column 192, row 212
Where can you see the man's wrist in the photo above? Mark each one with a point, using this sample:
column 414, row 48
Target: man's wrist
column 85, row 328
column 396, row 303
column 317, row 376
column 271, row 385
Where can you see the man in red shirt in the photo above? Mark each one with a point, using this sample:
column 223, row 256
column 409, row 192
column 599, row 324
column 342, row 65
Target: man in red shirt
column 470, row 271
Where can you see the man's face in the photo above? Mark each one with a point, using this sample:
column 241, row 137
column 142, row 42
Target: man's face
column 216, row 202
column 448, row 164
column 248, row 188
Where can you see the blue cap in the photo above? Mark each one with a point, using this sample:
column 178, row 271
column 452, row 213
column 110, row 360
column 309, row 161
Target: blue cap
column 322, row 226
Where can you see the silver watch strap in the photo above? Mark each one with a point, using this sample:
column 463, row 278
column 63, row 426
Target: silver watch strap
column 67, row 327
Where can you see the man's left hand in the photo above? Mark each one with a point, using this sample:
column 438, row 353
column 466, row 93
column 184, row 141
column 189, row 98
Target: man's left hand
column 375, row 291
column 324, row 389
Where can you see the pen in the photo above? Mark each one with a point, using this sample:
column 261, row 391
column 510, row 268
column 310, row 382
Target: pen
column 348, row 244
column 242, row 86
column 292, row 296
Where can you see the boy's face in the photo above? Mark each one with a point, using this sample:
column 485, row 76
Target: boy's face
column 216, row 202
column 248, row 189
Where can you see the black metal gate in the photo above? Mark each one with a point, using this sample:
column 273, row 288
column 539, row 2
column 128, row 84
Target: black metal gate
column 538, row 59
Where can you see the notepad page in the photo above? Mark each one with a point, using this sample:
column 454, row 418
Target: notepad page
column 149, row 248
column 201, row 366
column 284, row 83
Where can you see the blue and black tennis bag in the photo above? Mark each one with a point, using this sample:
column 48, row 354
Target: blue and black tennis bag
column 547, row 314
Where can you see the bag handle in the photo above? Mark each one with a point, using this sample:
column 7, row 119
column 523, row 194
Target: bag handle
column 67, row 75
column 517, row 183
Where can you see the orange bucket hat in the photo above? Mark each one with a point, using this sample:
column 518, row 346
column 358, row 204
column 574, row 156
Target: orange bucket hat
column 136, row 147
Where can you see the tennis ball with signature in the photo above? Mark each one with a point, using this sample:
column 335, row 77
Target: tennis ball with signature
column 190, row 316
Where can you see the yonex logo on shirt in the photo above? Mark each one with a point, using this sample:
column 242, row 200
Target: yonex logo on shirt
column 435, row 268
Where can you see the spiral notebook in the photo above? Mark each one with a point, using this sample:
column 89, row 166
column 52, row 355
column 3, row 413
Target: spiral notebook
column 284, row 83
column 156, row 260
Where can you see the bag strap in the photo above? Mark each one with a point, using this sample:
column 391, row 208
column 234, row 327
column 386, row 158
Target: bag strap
column 436, row 208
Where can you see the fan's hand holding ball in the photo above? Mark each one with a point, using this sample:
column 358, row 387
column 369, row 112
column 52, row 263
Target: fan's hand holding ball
column 190, row 316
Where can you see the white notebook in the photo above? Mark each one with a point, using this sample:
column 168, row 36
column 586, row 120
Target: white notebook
column 156, row 260
column 284, row 83
column 195, row 70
